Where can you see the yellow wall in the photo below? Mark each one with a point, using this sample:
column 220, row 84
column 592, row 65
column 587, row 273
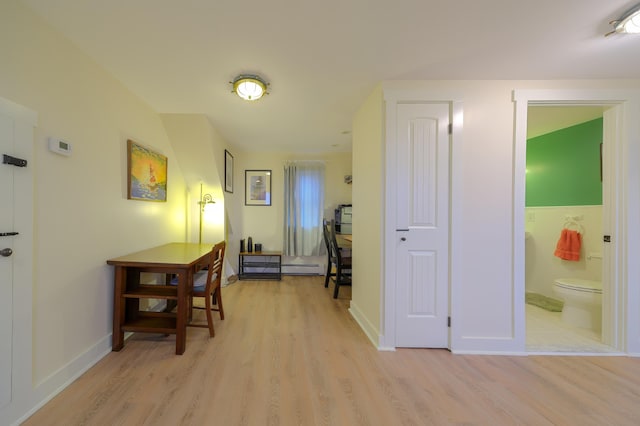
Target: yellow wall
column 82, row 215
column 368, row 209
column 199, row 147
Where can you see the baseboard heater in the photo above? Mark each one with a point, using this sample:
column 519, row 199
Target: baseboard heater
column 302, row 269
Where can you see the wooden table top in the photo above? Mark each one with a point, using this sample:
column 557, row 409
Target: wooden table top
column 175, row 254
column 344, row 241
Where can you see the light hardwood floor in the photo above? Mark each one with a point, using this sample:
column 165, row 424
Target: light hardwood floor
column 289, row 354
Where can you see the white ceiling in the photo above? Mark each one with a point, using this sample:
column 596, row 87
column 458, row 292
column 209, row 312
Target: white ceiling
column 323, row 58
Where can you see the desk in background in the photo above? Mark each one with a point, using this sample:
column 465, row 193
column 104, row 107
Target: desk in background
column 181, row 259
column 344, row 241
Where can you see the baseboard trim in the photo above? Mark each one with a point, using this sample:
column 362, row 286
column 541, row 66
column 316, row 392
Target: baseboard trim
column 369, row 330
column 494, row 353
column 48, row 388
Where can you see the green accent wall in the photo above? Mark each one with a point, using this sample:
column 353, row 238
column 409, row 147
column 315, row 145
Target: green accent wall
column 563, row 167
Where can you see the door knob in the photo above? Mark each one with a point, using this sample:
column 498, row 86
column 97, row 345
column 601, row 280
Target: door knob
column 403, row 239
column 6, row 252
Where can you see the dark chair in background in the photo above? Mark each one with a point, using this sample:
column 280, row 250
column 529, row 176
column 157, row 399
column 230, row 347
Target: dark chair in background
column 341, row 262
column 331, row 262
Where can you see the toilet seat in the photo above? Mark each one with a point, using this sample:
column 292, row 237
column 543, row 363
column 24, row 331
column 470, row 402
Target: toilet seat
column 578, row 284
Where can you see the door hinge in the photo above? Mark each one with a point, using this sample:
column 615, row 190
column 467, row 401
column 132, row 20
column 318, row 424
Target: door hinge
column 448, row 321
column 450, row 128
column 606, row 238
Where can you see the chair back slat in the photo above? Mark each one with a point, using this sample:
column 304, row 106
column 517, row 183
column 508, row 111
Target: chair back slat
column 342, row 274
column 214, row 274
column 335, row 248
column 326, row 232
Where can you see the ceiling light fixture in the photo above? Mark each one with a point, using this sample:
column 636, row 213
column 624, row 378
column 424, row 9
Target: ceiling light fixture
column 249, row 87
column 628, row 24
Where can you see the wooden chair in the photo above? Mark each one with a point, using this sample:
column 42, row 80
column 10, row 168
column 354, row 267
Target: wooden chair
column 206, row 284
column 342, row 263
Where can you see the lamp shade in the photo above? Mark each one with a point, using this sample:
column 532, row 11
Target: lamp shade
column 249, row 87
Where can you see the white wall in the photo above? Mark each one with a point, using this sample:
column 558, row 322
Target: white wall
column 544, row 225
column 484, row 306
column 264, row 224
column 234, row 213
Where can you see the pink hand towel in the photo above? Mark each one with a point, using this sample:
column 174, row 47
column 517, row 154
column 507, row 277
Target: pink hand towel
column 569, row 243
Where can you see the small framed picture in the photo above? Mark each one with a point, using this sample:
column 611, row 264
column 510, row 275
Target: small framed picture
column 228, row 171
column 257, row 187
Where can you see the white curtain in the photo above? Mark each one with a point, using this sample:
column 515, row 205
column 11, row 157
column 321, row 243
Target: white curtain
column 303, row 208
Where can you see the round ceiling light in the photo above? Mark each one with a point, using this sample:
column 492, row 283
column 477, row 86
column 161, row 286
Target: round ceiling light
column 629, row 23
column 249, row 87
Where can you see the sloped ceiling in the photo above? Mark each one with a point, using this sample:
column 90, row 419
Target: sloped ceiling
column 323, row 58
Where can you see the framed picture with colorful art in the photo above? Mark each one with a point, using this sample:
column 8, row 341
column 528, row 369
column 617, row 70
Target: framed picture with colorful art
column 146, row 173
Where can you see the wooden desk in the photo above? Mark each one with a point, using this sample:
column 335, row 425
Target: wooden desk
column 344, row 241
column 181, row 259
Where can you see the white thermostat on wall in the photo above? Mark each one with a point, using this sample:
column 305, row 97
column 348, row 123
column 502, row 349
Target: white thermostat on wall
column 59, row 146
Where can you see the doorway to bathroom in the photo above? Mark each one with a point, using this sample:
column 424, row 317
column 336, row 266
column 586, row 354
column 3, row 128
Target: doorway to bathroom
column 616, row 201
column 563, row 229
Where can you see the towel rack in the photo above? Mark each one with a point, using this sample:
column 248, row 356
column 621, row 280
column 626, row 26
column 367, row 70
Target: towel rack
column 573, row 220
column 571, row 223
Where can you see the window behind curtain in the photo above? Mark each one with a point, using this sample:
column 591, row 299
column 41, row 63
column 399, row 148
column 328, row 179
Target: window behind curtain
column 303, row 208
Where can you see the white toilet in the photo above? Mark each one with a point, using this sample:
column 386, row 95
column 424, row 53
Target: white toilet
column 582, row 302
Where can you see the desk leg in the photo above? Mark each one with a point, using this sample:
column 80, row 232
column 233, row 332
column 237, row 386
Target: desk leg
column 118, row 308
column 181, row 314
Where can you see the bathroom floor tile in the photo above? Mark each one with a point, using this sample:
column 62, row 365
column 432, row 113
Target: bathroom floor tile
column 547, row 333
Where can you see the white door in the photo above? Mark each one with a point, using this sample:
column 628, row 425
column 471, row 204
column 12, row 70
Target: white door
column 422, row 225
column 16, row 275
column 6, row 261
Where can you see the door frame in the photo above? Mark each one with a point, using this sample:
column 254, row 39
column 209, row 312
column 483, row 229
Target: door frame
column 22, row 346
column 392, row 97
column 620, row 329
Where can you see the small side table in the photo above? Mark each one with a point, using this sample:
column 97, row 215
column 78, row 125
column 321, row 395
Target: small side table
column 264, row 265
